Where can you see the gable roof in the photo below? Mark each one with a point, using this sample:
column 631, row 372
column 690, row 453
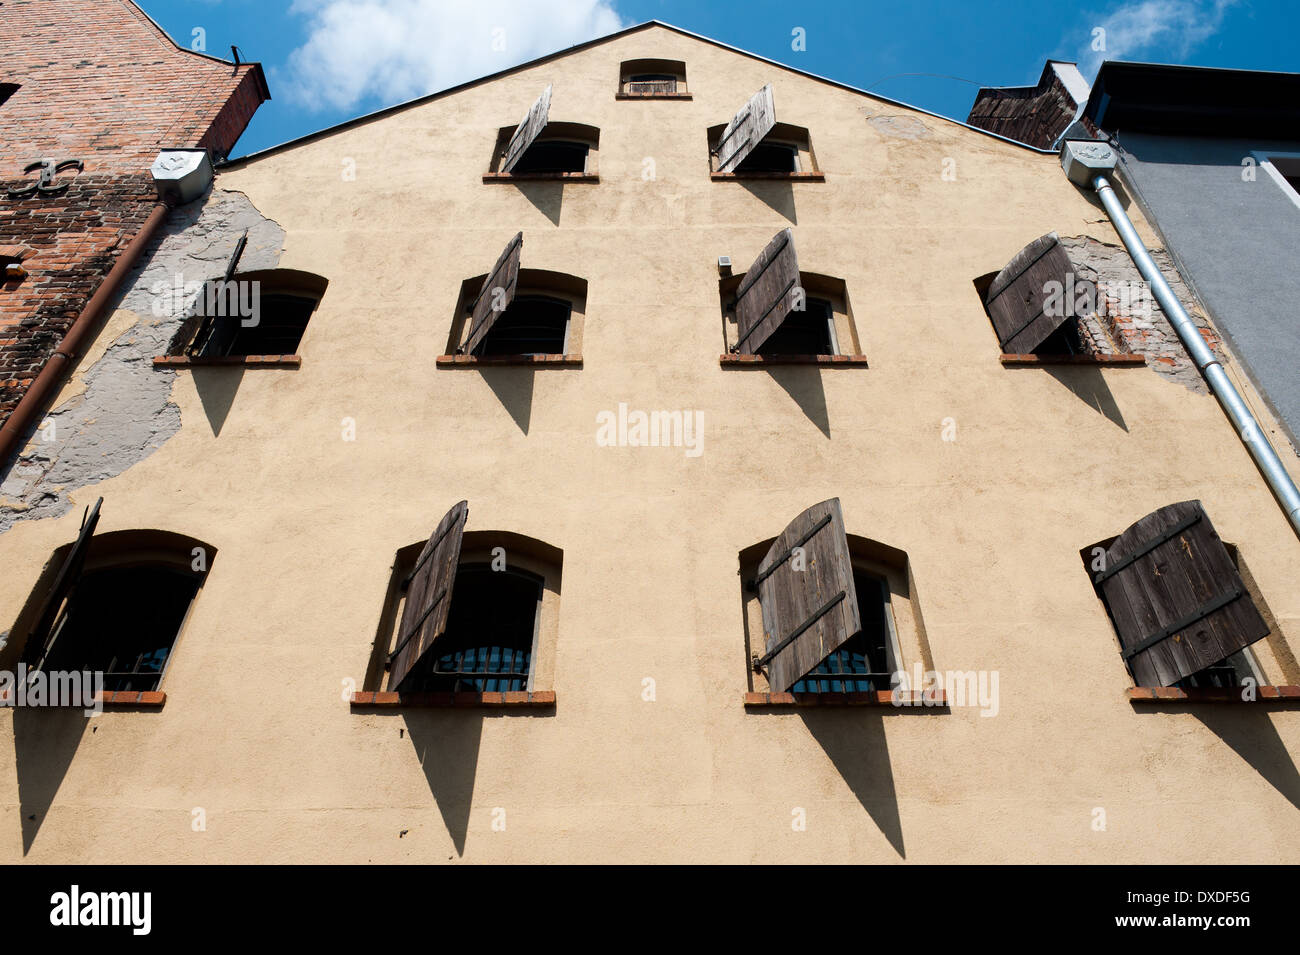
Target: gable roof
column 627, row 31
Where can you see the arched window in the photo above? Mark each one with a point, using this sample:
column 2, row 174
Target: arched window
column 537, row 148
column 252, row 314
column 114, row 604
column 652, row 79
column 469, row 612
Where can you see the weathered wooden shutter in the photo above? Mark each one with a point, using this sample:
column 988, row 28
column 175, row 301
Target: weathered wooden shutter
column 809, row 605
column 529, row 128
column 490, row 304
column 41, row 639
column 1017, row 299
column 1177, row 601
column 767, row 293
column 428, row 596
column 746, row 129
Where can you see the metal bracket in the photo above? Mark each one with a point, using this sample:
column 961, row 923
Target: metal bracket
column 1146, row 643
column 766, row 658
column 1147, row 547
column 46, row 184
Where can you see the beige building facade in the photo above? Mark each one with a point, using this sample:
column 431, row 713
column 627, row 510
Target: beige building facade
column 305, row 488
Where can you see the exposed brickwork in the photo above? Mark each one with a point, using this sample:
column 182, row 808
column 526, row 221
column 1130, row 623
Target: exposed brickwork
column 98, row 82
column 1138, row 326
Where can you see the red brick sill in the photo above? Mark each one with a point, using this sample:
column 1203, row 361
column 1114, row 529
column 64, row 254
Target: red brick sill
column 533, row 361
column 123, row 700
column 540, row 177
column 1211, row 694
column 830, row 361
column 228, row 361
column 787, row 176
column 1016, row 361
column 621, row 95
column 387, row 700
column 906, row 699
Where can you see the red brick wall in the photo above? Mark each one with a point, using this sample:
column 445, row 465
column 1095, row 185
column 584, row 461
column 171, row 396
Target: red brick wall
column 100, row 82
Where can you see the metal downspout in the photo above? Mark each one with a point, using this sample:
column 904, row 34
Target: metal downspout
column 1242, row 419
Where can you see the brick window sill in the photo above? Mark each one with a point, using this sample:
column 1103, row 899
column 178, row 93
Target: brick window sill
column 624, row 95
column 756, row 361
column 1018, row 361
column 1211, row 694
column 532, row 361
column 786, row 176
column 902, row 699
column 228, row 361
column 540, row 177
column 134, row 699
column 390, row 701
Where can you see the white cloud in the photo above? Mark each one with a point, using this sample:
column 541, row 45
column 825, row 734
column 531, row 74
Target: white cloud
column 1169, row 28
column 395, row 50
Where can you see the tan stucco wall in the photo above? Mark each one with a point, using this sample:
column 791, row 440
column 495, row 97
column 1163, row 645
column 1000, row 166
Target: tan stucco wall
column 255, row 730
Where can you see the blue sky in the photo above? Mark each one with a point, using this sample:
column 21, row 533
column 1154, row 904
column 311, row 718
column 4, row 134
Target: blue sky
column 330, row 60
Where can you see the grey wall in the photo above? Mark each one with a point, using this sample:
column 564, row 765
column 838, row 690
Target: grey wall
column 1236, row 242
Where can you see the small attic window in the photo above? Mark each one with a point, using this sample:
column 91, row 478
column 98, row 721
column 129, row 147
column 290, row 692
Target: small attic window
column 647, row 79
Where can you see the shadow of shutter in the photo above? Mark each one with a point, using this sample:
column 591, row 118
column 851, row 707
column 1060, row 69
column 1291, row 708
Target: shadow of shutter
column 428, row 596
column 767, row 293
column 489, row 306
column 43, row 635
column 530, row 126
column 1177, row 601
column 810, row 607
column 746, row 129
column 1016, row 299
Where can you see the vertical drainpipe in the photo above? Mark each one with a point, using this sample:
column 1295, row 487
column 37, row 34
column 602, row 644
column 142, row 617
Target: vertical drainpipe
column 1084, row 162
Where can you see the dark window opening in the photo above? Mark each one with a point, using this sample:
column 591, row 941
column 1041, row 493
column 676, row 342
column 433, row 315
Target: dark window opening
column 530, row 325
column 7, row 90
column 553, row 156
column 652, row 83
column 803, row 333
column 488, row 644
column 281, row 321
column 1227, row 673
column 1064, row 341
column 123, row 622
column 866, row 661
column 771, row 157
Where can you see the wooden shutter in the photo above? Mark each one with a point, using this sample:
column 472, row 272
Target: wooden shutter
column 767, row 293
column 530, row 126
column 808, row 613
column 489, row 306
column 746, row 129
column 1016, row 299
column 41, row 639
column 428, row 596
column 1177, row 601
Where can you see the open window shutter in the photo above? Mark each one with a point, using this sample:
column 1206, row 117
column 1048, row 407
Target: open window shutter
column 746, row 129
column 530, row 126
column 41, row 640
column 489, row 305
column 1016, row 300
column 428, row 596
column 809, row 605
column 767, row 293
column 1178, row 603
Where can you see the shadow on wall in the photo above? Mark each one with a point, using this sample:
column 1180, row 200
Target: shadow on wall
column 855, row 742
column 514, row 389
column 804, row 385
column 45, row 740
column 217, row 388
column 776, row 195
column 446, row 742
column 1089, row 386
column 547, row 197
column 1249, row 732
